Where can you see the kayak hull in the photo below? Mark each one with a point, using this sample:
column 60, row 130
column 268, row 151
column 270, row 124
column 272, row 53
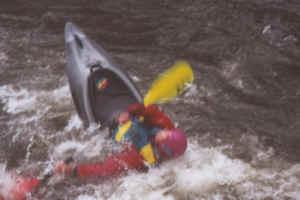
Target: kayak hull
column 100, row 89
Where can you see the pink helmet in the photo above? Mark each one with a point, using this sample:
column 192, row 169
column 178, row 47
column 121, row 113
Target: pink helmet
column 173, row 145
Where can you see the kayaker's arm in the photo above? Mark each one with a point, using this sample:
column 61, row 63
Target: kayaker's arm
column 113, row 165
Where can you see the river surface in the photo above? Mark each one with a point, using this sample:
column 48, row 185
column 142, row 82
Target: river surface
column 242, row 114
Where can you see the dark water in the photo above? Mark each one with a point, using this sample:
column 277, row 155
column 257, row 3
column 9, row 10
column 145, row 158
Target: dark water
column 245, row 56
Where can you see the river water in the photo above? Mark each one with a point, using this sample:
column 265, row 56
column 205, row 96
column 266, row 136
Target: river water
column 242, row 114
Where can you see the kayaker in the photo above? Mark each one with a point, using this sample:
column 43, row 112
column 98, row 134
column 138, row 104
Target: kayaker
column 148, row 137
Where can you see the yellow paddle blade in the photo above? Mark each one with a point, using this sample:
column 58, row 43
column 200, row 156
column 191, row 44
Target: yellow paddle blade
column 170, row 83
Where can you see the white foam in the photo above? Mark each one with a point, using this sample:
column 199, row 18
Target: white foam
column 68, row 146
column 59, row 93
column 86, row 197
column 210, row 169
column 6, row 181
column 271, row 183
column 17, row 101
column 88, row 148
column 191, row 90
column 32, row 105
column 203, row 173
column 74, row 123
column 199, row 170
column 266, row 29
column 22, row 100
column 135, row 78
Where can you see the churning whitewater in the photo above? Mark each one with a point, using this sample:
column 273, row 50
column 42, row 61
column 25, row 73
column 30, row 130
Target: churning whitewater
column 202, row 173
column 241, row 115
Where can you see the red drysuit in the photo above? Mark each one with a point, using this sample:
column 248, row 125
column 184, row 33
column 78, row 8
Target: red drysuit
column 130, row 157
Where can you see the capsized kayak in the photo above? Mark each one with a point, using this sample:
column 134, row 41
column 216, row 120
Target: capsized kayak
column 100, row 89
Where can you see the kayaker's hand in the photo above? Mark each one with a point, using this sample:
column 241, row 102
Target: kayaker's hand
column 63, row 168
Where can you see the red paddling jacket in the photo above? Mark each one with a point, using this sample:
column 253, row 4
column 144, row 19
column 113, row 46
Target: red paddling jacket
column 138, row 151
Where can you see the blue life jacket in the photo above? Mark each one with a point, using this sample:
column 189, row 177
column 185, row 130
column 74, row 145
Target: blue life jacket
column 136, row 133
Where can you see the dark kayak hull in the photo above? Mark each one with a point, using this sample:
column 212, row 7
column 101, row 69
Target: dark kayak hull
column 100, row 89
